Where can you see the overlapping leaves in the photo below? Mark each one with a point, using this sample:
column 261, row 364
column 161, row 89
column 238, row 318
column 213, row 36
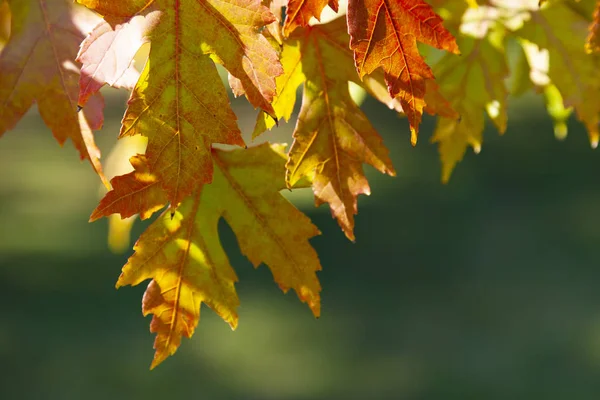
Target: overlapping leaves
column 556, row 39
column 385, row 34
column 332, row 138
column 181, row 114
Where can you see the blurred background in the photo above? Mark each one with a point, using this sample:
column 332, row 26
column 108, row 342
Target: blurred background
column 485, row 288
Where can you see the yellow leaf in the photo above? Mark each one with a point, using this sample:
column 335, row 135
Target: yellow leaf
column 182, row 254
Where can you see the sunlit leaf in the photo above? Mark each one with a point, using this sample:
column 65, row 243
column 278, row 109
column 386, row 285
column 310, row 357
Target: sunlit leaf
column 182, row 253
column 37, row 65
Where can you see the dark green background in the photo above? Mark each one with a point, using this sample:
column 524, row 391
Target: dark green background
column 485, row 288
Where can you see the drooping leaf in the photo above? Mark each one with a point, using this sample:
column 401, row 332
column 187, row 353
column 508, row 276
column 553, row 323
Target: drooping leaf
column 475, row 81
column 179, row 102
column 182, row 254
column 333, row 138
column 561, row 31
column 385, row 34
column 475, row 84
column 37, row 66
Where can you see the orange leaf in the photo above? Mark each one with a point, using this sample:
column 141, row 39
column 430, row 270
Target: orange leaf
column 385, row 34
column 333, row 138
column 299, row 13
column 36, row 66
column 182, row 253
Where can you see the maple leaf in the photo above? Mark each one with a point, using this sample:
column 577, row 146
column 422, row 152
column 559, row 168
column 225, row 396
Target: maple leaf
column 384, row 34
column 37, row 66
column 332, row 138
column 181, row 114
column 571, row 69
column 182, row 253
column 299, row 12
column 475, row 83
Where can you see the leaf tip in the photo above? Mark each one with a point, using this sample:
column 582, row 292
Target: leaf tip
column 350, row 235
column 96, row 215
column 594, row 138
column 413, row 137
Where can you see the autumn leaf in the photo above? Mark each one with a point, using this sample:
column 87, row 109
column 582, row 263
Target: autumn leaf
column 571, row 69
column 333, row 138
column 179, row 102
column 385, row 34
column 475, row 84
column 37, row 66
column 299, row 12
column 182, row 254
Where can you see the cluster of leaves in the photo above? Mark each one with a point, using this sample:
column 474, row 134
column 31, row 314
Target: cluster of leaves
column 58, row 55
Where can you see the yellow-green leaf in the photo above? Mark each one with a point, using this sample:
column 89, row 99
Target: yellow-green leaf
column 474, row 83
column 562, row 31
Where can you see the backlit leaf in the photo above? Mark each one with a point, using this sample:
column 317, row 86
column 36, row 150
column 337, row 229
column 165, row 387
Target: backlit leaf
column 137, row 192
column 37, row 66
column 333, row 138
column 475, row 84
column 107, row 56
column 182, row 253
column 561, row 31
column 179, row 102
column 299, row 12
column 385, row 34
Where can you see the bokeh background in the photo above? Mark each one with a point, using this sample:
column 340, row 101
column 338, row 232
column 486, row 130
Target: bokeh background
column 485, row 288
